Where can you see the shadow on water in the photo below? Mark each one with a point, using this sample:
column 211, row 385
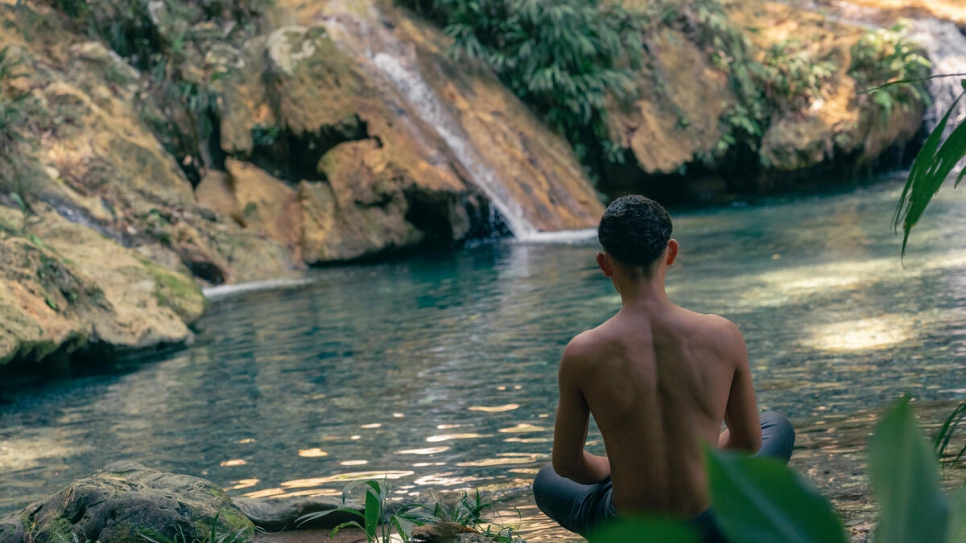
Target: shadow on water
column 439, row 371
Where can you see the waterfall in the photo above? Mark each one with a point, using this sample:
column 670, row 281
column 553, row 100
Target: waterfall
column 396, row 62
column 946, row 47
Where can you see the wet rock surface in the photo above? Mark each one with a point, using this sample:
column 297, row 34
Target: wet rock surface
column 284, row 514
column 124, row 502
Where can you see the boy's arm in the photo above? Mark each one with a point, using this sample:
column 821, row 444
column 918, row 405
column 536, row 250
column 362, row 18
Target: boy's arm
column 741, row 413
column 570, row 460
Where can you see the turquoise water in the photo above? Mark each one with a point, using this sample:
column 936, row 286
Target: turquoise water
column 438, row 371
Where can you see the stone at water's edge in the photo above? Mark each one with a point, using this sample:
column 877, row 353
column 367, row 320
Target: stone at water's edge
column 284, row 514
column 123, row 502
column 66, row 287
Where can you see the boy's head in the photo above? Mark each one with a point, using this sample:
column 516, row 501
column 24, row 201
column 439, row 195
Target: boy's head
column 635, row 231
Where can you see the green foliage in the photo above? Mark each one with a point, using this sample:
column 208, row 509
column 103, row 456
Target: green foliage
column 905, row 478
column 885, row 56
column 760, row 501
column 792, row 77
column 468, row 513
column 215, row 534
column 374, row 520
column 265, row 136
column 933, row 165
column 564, row 58
column 730, row 51
column 940, row 443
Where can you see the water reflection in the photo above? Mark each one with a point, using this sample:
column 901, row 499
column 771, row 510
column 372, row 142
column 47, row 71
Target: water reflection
column 439, row 371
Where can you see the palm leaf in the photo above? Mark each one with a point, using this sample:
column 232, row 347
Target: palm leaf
column 932, row 166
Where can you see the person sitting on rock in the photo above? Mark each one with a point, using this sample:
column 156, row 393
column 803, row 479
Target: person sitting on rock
column 659, row 380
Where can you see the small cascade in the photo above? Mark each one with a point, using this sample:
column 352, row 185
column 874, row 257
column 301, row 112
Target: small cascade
column 946, row 46
column 396, row 61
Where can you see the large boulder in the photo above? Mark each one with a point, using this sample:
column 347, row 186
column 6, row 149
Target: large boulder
column 673, row 121
column 124, row 502
column 65, row 287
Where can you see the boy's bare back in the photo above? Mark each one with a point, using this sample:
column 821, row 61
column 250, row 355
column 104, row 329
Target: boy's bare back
column 658, row 380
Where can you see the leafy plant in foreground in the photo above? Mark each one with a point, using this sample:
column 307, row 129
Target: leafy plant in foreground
column 374, row 520
column 945, row 434
column 757, row 500
column 468, row 513
column 214, row 535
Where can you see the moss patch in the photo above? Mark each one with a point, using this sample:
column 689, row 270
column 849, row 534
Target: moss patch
column 176, row 292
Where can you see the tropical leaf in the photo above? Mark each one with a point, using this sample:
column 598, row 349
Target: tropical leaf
column 932, row 166
column 760, row 500
column 905, row 479
column 945, row 434
column 957, row 517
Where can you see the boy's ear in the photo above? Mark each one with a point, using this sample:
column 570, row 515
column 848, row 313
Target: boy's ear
column 672, row 251
column 605, row 264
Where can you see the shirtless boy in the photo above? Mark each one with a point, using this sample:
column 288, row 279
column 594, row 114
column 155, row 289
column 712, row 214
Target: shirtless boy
column 659, row 380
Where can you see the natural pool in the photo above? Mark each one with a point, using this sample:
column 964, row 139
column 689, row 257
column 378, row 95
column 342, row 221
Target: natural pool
column 439, row 370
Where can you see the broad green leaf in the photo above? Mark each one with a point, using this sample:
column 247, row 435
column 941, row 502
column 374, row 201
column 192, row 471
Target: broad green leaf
column 905, row 479
column 404, row 526
column 760, row 500
column 645, row 529
column 957, row 517
column 373, row 512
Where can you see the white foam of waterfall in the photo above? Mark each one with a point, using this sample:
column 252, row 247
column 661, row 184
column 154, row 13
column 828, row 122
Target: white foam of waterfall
column 946, row 47
column 396, row 61
column 562, row 236
column 424, row 101
column 225, row 291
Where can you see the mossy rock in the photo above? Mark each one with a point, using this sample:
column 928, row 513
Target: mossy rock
column 124, row 502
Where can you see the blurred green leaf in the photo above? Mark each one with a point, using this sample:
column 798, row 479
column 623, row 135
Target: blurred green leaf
column 957, row 517
column 905, row 479
column 645, row 529
column 17, row 199
column 760, row 500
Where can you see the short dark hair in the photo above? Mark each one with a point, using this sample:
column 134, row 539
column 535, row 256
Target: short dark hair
column 635, row 230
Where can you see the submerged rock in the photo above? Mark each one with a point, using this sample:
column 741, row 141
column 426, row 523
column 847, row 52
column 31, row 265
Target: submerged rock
column 123, row 503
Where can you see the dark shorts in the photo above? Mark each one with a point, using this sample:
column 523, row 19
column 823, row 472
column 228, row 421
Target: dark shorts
column 583, row 508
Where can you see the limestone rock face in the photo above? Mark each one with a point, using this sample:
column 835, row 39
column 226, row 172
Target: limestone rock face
column 844, row 125
column 65, row 287
column 87, row 152
column 357, row 171
column 674, row 121
column 123, row 502
column 455, row 130
column 680, row 119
